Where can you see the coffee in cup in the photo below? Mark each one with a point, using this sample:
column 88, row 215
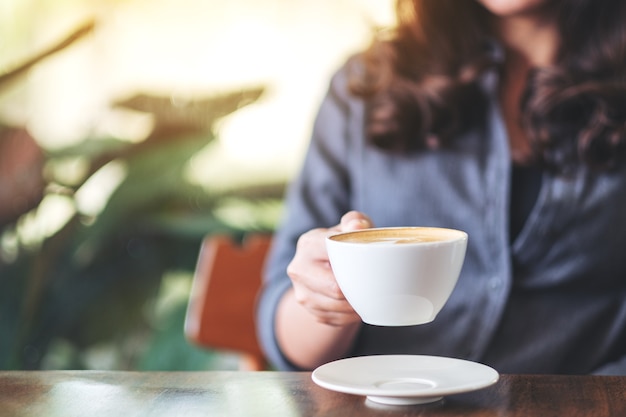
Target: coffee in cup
column 397, row 276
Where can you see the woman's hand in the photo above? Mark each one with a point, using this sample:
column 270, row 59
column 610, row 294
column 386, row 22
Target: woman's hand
column 314, row 284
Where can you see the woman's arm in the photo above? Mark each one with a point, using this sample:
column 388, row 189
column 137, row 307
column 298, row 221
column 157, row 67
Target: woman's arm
column 317, row 198
column 314, row 322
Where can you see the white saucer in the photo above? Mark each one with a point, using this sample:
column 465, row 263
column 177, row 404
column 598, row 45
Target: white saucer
column 404, row 379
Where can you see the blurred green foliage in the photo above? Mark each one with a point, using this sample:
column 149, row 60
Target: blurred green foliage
column 88, row 294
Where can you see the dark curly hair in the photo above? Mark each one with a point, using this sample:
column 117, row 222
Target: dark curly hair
column 421, row 81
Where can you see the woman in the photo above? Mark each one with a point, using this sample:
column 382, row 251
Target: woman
column 503, row 118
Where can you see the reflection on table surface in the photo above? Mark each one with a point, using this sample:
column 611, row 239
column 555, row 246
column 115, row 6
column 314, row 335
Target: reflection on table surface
column 285, row 394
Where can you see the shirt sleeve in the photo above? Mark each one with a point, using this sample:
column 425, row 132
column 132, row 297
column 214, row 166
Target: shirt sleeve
column 317, row 197
column 614, row 368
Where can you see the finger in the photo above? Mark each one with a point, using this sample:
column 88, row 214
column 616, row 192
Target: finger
column 312, row 246
column 314, row 277
column 327, row 310
column 355, row 220
column 317, row 302
column 337, row 319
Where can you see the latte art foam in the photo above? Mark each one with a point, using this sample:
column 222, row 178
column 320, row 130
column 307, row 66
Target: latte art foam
column 396, row 241
column 398, row 236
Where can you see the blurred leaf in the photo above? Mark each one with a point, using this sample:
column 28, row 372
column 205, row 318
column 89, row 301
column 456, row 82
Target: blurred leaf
column 172, row 112
column 89, row 284
column 154, row 183
column 93, row 148
column 10, row 76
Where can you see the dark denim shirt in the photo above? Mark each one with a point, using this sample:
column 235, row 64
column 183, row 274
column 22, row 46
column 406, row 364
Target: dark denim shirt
column 551, row 300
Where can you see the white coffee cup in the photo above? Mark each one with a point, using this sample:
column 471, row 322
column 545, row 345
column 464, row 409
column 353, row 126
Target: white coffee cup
column 397, row 276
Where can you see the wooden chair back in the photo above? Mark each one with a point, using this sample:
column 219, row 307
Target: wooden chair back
column 221, row 309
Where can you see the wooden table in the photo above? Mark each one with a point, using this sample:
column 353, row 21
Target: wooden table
column 284, row 394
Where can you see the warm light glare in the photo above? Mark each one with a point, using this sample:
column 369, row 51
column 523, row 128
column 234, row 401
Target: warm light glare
column 50, row 216
column 93, row 196
column 68, row 171
column 199, row 48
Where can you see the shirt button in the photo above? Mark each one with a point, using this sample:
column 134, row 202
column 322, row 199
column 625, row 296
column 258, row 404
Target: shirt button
column 495, row 283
